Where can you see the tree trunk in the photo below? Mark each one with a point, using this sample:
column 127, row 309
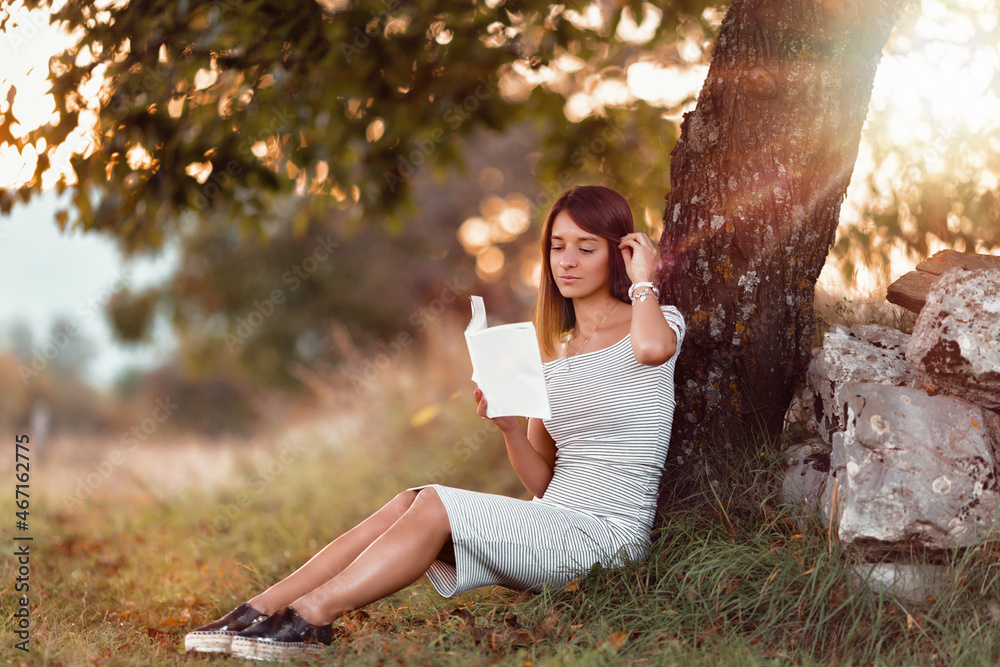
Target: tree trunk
column 758, row 176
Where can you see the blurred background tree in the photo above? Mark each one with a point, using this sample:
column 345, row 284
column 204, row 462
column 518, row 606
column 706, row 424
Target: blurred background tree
column 44, row 380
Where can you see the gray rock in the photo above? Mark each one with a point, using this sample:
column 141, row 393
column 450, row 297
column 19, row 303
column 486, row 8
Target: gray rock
column 955, row 346
column 911, row 472
column 801, row 414
column 918, row 582
column 863, row 353
column 808, row 468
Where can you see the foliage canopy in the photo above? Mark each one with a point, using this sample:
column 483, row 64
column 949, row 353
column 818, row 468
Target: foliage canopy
column 195, row 108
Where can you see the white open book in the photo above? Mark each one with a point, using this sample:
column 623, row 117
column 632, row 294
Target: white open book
column 507, row 366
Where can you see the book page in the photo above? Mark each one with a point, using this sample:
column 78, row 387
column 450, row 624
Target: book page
column 507, row 366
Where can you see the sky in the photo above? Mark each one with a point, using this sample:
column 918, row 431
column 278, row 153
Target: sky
column 46, row 274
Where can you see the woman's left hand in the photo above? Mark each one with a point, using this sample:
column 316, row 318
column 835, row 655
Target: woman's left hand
column 641, row 256
column 505, row 424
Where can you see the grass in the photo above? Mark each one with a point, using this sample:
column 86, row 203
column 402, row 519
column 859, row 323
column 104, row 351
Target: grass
column 120, row 579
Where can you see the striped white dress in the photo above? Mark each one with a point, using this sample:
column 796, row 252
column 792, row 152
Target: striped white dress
column 611, row 420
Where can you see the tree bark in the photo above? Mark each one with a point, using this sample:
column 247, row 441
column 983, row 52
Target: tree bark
column 757, row 180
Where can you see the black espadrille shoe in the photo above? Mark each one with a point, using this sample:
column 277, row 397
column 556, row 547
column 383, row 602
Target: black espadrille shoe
column 217, row 636
column 280, row 637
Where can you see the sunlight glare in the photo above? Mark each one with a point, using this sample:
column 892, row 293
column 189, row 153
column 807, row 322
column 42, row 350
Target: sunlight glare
column 530, row 273
column 139, row 158
column 946, row 83
column 25, row 48
column 664, row 86
column 489, row 263
column 590, row 19
column 205, row 78
column 568, row 63
column 612, row 92
column 578, row 106
column 475, row 234
column 628, row 31
column 491, row 206
column 199, row 171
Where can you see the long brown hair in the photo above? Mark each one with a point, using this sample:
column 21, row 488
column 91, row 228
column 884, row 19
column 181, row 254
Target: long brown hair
column 600, row 211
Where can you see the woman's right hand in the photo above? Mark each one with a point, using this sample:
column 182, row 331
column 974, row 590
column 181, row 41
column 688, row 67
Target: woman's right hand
column 505, row 424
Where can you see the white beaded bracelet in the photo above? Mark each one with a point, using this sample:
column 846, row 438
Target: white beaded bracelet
column 639, row 285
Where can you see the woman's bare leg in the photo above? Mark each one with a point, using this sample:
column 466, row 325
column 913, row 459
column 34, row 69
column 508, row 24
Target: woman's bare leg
column 333, row 558
column 392, row 562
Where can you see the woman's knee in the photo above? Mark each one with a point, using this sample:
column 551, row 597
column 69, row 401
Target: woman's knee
column 430, row 508
column 401, row 503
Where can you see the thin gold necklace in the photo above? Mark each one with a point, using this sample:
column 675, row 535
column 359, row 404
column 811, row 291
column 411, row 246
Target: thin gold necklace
column 570, row 363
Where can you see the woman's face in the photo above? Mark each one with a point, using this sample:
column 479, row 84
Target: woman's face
column 580, row 260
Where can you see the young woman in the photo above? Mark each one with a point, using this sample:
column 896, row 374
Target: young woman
column 609, row 350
